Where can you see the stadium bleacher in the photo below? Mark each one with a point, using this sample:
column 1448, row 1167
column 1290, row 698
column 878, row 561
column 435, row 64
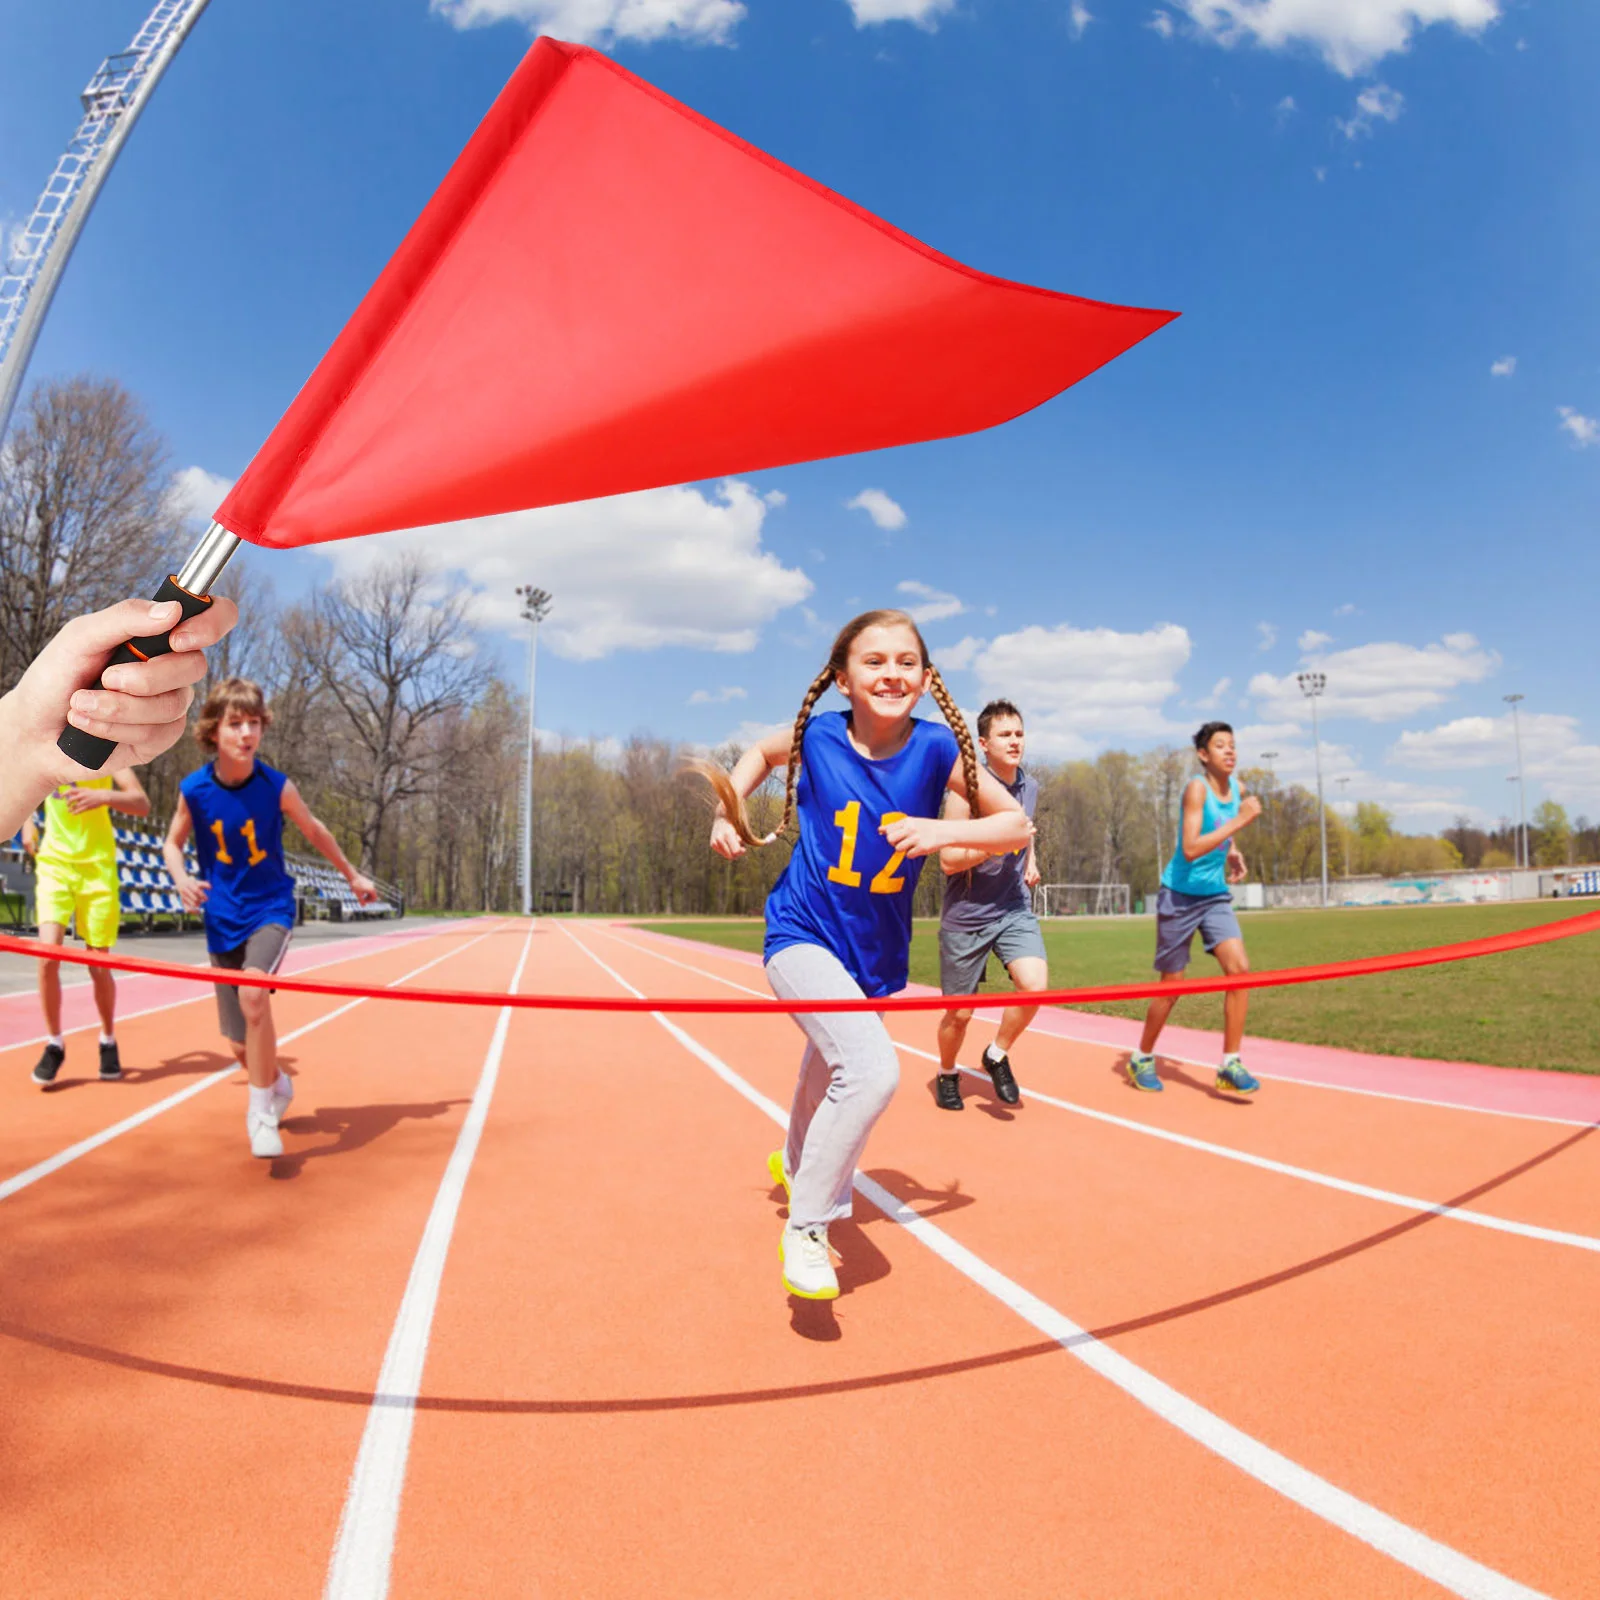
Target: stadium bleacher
column 148, row 891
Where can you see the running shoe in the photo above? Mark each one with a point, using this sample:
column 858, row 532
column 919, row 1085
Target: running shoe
column 947, row 1091
column 998, row 1065
column 1142, row 1073
column 807, row 1269
column 110, row 1062
column 49, row 1064
column 282, row 1094
column 779, row 1176
column 1231, row 1075
column 265, row 1140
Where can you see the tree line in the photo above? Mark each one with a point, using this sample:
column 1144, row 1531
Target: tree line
column 410, row 745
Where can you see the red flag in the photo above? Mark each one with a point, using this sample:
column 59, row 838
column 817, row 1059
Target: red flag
column 608, row 292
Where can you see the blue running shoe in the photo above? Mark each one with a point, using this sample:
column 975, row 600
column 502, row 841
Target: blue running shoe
column 1231, row 1075
column 1142, row 1073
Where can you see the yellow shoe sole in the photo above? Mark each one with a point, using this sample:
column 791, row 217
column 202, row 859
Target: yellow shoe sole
column 779, row 1176
column 805, row 1294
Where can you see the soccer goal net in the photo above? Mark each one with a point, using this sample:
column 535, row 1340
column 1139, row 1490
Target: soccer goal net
column 1081, row 900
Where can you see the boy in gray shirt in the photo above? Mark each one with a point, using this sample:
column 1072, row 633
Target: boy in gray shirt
column 988, row 905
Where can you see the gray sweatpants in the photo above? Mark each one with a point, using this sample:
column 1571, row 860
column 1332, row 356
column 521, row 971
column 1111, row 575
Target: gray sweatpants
column 848, row 1076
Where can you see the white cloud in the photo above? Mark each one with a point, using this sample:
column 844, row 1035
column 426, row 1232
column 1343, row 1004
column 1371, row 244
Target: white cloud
column 1504, row 367
column 194, row 494
column 1079, row 17
column 1213, row 701
column 1376, row 103
column 1080, row 688
column 717, row 697
column 1554, row 754
column 924, row 13
column 958, row 657
column 1379, row 682
column 1161, row 23
column 603, row 22
column 1350, row 35
column 1311, row 640
column 932, row 605
column 1413, row 804
column 885, row 512
column 1585, row 431
column 775, row 498
column 635, row 572
column 1286, row 107
column 1269, row 635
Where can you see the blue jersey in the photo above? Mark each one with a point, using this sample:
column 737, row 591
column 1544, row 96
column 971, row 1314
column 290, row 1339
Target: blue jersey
column 1207, row 875
column 238, row 836
column 844, row 887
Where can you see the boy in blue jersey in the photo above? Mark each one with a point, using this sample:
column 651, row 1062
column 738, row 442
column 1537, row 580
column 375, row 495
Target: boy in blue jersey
column 233, row 809
column 1195, row 896
column 988, row 906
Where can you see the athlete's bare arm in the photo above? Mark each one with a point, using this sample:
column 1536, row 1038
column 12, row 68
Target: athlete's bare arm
column 320, row 837
column 192, row 891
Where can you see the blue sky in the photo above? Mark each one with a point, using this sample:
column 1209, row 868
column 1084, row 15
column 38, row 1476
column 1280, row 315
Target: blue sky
column 1370, row 443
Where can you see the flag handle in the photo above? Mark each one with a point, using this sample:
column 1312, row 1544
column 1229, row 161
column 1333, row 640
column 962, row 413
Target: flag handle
column 190, row 587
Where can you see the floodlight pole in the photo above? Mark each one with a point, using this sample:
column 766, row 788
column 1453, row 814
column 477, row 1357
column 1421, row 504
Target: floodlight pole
column 535, row 608
column 1312, row 684
column 1514, row 700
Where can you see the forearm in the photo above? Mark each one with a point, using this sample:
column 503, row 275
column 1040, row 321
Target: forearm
column 321, row 839
column 1205, row 843
column 957, row 859
column 994, row 835
column 173, row 856
column 749, row 772
column 23, row 782
column 136, row 805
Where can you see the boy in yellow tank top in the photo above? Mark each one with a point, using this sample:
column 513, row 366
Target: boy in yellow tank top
column 77, row 877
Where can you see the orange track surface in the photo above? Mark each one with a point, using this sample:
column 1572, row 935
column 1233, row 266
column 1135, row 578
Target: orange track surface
column 619, row 1400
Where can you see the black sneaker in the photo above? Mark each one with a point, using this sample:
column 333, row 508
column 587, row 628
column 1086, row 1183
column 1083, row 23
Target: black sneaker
column 49, row 1064
column 947, row 1091
column 999, row 1069
column 110, row 1061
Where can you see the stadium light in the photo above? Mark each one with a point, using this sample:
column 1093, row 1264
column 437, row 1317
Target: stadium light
column 1312, row 685
column 1514, row 700
column 535, row 608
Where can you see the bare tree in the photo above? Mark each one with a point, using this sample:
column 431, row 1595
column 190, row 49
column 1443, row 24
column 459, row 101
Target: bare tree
column 395, row 655
column 82, row 520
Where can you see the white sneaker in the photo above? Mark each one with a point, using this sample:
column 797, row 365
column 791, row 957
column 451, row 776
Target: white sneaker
column 282, row 1094
column 807, row 1268
column 265, row 1140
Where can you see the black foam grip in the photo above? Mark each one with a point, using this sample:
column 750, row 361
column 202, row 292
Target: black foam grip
column 89, row 750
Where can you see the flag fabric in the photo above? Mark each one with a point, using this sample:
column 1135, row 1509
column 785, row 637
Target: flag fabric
column 609, row 292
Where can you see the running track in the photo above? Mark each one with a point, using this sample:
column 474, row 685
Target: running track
column 506, row 1320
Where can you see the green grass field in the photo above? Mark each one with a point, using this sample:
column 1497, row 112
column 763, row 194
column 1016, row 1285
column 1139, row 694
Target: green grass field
column 1528, row 1008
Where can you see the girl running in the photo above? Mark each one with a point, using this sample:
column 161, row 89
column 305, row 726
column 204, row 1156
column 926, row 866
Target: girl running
column 866, row 784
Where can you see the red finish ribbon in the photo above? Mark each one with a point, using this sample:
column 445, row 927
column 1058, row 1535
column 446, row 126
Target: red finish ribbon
column 1437, row 955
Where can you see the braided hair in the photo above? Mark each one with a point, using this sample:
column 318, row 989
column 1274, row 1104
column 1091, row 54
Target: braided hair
column 732, row 802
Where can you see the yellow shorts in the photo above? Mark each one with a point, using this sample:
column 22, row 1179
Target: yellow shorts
column 87, row 890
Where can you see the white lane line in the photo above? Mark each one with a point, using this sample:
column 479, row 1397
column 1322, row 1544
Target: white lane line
column 1047, row 1024
column 1448, row 1567
column 1406, row 1202
column 364, row 1548
column 83, row 1147
column 203, row 990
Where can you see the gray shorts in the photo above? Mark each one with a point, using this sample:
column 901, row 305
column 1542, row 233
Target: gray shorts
column 263, row 951
column 964, row 952
column 1178, row 916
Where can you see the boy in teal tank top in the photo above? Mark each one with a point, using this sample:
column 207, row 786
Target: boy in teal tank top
column 1195, row 897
